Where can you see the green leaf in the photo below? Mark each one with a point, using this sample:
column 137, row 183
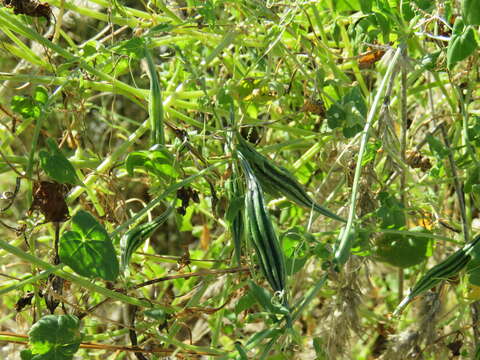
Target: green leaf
column 57, row 166
column 403, row 250
column 294, row 245
column 40, row 95
column 157, row 161
column 157, row 314
column 473, row 178
column 462, row 43
column 134, row 48
column 88, row 250
column 346, row 5
column 473, row 267
column 26, row 355
column 391, row 212
column 471, row 12
column 349, row 112
column 259, row 336
column 163, row 27
column 26, row 107
column 437, row 147
column 54, row 337
column 241, row 351
column 473, row 270
column 264, row 298
column 371, row 151
column 366, row 6
column 384, row 25
column 429, row 61
column 244, row 303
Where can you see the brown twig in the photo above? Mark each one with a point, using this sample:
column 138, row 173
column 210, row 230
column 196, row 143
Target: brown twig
column 88, row 345
column 192, row 274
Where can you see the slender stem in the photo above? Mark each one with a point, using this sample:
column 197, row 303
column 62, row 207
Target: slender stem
column 87, row 284
column 363, row 143
column 403, row 148
column 30, row 280
column 193, row 274
column 307, row 299
column 160, row 198
column 457, row 185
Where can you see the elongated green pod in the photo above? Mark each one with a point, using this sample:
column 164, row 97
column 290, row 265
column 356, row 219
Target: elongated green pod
column 235, row 214
column 155, row 104
column 277, row 180
column 259, row 230
column 136, row 236
column 443, row 271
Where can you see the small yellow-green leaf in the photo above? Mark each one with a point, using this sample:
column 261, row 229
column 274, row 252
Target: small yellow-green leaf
column 40, row 95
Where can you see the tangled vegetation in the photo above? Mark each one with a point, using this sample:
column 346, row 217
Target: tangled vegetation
column 239, row 179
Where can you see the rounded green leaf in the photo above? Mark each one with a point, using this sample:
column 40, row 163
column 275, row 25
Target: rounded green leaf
column 473, row 267
column 403, row 251
column 157, row 161
column 58, row 168
column 88, row 250
column 462, row 43
column 25, row 106
column 40, row 95
column 471, row 12
column 55, row 337
column 473, row 270
column 56, row 165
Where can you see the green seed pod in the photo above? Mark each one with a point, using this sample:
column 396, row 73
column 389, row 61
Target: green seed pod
column 234, row 214
column 443, row 271
column 136, row 236
column 277, row 180
column 260, row 232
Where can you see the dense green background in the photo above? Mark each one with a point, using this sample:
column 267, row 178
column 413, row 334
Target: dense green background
column 372, row 105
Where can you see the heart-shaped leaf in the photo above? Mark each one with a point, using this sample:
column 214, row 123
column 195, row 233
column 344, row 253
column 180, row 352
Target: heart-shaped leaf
column 25, row 106
column 471, row 12
column 88, row 250
column 349, row 112
column 403, row 251
column 54, row 337
column 462, row 43
column 57, row 166
column 157, row 161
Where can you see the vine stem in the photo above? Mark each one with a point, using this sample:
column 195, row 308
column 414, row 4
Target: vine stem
column 403, row 149
column 364, row 140
column 87, row 284
column 457, row 185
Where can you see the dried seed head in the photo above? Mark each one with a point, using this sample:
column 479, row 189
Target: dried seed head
column 428, row 316
column 417, row 161
column 314, row 106
column 402, row 346
column 342, row 313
